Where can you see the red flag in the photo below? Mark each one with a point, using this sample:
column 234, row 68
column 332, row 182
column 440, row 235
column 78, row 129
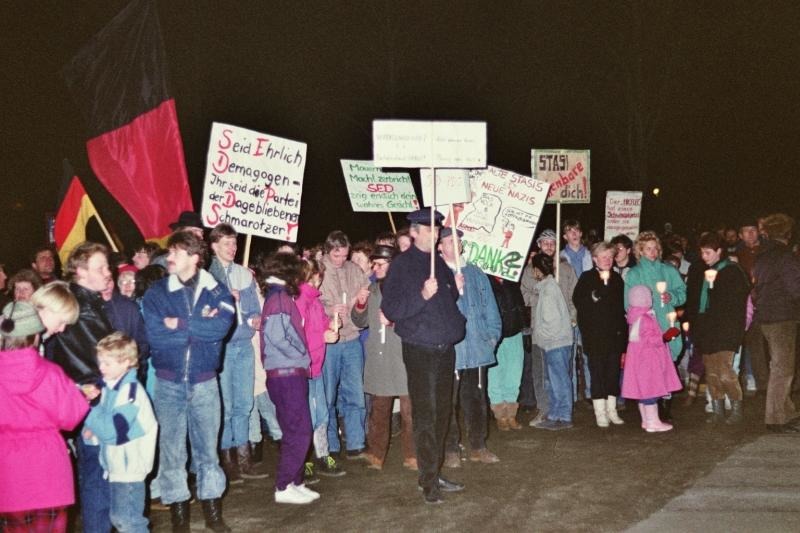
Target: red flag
column 119, row 81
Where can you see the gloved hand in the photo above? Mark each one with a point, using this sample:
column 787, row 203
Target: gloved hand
column 670, row 334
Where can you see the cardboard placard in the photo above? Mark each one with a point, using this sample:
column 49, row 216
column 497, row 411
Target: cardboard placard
column 623, row 214
column 426, row 144
column 567, row 172
column 372, row 190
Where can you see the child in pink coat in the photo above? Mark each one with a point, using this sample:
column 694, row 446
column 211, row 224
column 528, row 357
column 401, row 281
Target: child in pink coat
column 38, row 401
column 649, row 371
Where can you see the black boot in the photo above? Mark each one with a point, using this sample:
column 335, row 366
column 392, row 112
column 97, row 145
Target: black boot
column 665, row 409
column 230, row 466
column 179, row 513
column 736, row 412
column 257, row 451
column 717, row 416
column 212, row 511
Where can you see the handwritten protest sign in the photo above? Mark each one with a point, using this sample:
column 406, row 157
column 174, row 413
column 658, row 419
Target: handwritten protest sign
column 501, row 220
column 372, row 190
column 253, row 182
column 623, row 212
column 425, row 144
column 452, row 185
column 567, row 172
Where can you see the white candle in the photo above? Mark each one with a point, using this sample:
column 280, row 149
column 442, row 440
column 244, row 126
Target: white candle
column 671, row 316
column 711, row 275
column 383, row 333
column 661, row 287
column 605, row 275
column 686, row 327
column 344, row 298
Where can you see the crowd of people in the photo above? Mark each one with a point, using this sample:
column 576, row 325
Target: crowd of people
column 157, row 376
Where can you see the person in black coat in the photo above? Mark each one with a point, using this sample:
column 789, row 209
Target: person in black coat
column 599, row 300
column 718, row 329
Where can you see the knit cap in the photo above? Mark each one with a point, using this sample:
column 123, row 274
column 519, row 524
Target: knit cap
column 640, row 296
column 546, row 235
column 20, row 319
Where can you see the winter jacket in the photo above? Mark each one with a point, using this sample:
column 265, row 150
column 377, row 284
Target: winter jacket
column 649, row 371
column 347, row 279
column 721, row 327
column 126, row 427
column 552, row 327
column 433, row 322
column 74, row 349
column 484, row 326
column 193, row 350
column 283, row 343
column 777, row 290
column 566, row 281
column 384, row 369
column 581, row 262
column 125, row 316
column 649, row 273
column 601, row 313
column 38, row 401
column 315, row 322
column 510, row 304
column 237, row 277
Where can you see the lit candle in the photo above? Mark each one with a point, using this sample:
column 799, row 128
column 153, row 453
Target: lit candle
column 671, row 316
column 604, row 275
column 383, row 333
column 711, row 275
column 661, row 287
column 685, row 327
column 344, row 298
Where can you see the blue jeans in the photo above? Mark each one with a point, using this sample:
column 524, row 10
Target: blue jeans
column 127, row 507
column 559, row 375
column 343, row 373
column 264, row 408
column 94, row 491
column 236, row 385
column 189, row 410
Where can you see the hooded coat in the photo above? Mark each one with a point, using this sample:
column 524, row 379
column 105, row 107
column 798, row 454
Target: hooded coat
column 38, row 402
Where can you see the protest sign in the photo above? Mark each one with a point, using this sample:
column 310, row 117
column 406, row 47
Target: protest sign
column 452, row 185
column 425, row 144
column 501, row 220
column 567, row 172
column 253, row 182
column 623, row 212
column 372, row 190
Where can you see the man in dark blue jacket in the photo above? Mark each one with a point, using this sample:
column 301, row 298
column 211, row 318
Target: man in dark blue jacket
column 187, row 316
column 427, row 319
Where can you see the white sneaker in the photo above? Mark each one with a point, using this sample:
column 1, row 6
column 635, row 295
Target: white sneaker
column 751, row 383
column 305, row 490
column 292, row 495
column 727, row 403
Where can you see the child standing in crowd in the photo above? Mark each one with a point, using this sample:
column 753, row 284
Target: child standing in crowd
column 649, row 372
column 126, row 428
column 38, row 401
column 286, row 360
column 318, row 331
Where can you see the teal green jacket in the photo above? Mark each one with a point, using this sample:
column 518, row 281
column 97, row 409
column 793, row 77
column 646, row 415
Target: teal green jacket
column 647, row 273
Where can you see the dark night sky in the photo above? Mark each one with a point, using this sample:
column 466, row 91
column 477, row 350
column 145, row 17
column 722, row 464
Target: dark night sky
column 697, row 98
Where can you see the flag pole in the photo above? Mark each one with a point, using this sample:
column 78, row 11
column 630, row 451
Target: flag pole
column 391, row 221
column 433, row 227
column 246, row 257
column 105, row 230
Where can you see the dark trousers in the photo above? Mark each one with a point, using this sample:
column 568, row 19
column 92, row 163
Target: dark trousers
column 95, row 492
column 604, row 371
column 290, row 396
column 755, row 344
column 527, row 396
column 430, row 385
column 472, row 403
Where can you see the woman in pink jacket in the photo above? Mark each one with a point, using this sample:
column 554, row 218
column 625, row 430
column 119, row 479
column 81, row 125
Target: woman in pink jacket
column 38, row 402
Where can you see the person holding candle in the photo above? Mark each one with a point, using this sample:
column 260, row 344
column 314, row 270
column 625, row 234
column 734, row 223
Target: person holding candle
column 598, row 297
column 719, row 325
column 667, row 287
column 343, row 369
column 649, row 371
column 384, row 371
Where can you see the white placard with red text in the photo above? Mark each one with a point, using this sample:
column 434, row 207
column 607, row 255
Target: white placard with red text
column 623, row 213
column 567, row 172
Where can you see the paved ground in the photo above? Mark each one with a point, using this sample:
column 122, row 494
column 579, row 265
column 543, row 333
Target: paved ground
column 695, row 478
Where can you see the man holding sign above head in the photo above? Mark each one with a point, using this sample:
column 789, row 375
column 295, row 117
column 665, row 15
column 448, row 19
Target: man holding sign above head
column 422, row 304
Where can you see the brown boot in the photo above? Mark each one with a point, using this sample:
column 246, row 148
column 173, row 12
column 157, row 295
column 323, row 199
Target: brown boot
column 511, row 415
column 499, row 410
column 230, row 466
column 691, row 390
column 247, row 469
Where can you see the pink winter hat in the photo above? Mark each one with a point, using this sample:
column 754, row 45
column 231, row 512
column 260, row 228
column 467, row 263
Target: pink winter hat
column 640, row 296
